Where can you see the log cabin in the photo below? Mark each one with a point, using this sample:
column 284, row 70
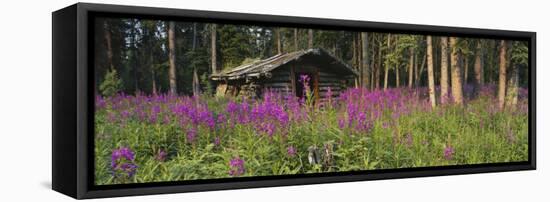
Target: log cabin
column 281, row 73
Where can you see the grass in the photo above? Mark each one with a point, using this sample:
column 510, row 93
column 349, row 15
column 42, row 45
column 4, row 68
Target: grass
column 362, row 130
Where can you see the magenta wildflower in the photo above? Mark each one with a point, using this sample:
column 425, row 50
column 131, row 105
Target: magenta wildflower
column 341, row 123
column 161, row 156
column 191, row 134
column 100, row 103
column 304, row 79
column 385, row 125
column 124, row 115
column 448, row 152
column 409, row 140
column 236, row 167
column 217, row 141
column 122, row 162
column 291, row 151
column 166, row 120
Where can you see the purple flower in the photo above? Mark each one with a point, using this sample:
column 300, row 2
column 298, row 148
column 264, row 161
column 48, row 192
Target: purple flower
column 166, row 120
column 329, row 96
column 111, row 117
column 191, row 134
column 217, row 141
column 100, row 102
column 448, row 152
column 236, row 167
column 221, row 119
column 385, row 125
column 341, row 123
column 409, row 140
column 304, row 79
column 122, row 162
column 291, row 151
column 124, row 114
column 161, row 156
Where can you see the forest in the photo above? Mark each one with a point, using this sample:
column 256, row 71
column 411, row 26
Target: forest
column 416, row 101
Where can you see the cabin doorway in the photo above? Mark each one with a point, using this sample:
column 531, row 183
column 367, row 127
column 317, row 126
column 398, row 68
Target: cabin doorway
column 300, row 88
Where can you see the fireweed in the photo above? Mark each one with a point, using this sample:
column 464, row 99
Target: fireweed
column 122, row 162
column 448, row 152
column 236, row 167
column 373, row 129
column 291, row 151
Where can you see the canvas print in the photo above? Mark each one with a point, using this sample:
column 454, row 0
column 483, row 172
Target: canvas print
column 184, row 100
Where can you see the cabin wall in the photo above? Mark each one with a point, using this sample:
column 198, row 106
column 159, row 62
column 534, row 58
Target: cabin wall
column 329, row 80
column 282, row 80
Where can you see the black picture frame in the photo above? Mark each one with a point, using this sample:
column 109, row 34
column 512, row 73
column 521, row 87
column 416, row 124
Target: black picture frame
column 73, row 101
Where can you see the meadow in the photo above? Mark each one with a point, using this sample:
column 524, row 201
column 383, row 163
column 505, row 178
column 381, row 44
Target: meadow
column 154, row 138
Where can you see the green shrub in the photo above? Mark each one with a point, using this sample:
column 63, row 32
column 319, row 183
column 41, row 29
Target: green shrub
column 111, row 84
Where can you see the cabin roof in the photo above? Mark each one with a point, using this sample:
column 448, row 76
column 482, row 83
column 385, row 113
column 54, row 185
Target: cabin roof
column 263, row 67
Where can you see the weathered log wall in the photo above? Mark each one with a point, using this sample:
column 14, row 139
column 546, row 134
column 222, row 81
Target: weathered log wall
column 283, row 79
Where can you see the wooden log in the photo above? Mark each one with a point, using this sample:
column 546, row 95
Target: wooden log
column 277, row 85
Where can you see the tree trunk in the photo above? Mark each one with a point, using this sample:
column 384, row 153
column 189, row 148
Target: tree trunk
column 456, row 73
column 108, row 44
column 354, row 63
column 154, row 82
column 150, row 31
column 466, row 69
column 444, row 82
column 213, row 49
column 422, row 67
column 295, row 39
column 279, row 45
column 431, row 82
column 512, row 90
column 196, row 86
column 373, row 64
column 502, row 75
column 136, row 64
column 365, row 59
column 194, row 36
column 386, row 65
column 396, row 66
column 513, row 80
column 415, row 68
column 483, row 64
column 397, row 76
column 360, row 59
column 379, row 64
column 172, row 56
column 477, row 69
column 310, row 39
column 411, row 66
column 195, row 83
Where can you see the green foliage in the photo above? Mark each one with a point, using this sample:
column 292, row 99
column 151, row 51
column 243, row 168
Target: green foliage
column 520, row 53
column 208, row 87
column 111, row 84
column 396, row 54
column 250, row 60
column 418, row 139
column 139, row 50
column 234, row 42
column 464, row 46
